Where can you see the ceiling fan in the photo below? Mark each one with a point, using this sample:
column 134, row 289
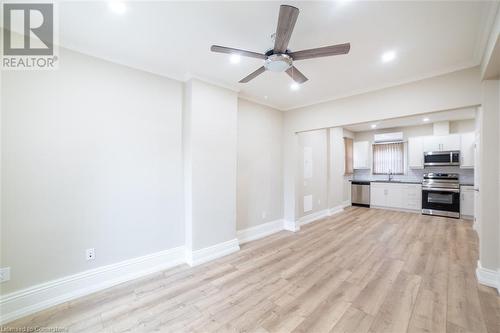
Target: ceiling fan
column 280, row 58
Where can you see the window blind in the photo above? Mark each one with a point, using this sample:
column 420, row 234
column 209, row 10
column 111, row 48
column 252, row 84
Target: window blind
column 388, row 157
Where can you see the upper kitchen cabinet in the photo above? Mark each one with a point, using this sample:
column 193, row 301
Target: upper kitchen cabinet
column 467, row 143
column 442, row 142
column 361, row 155
column 416, row 152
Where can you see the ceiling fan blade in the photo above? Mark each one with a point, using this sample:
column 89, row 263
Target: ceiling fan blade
column 296, row 75
column 286, row 21
column 253, row 75
column 230, row 50
column 321, row 52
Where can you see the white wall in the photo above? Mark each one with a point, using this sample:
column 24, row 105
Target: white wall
column 451, row 91
column 91, row 157
column 315, row 184
column 489, row 184
column 336, row 180
column 210, row 124
column 260, row 165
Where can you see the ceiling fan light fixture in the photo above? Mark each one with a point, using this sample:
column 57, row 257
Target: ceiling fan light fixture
column 278, row 62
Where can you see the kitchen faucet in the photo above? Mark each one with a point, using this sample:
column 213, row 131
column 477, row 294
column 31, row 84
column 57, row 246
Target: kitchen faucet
column 390, row 175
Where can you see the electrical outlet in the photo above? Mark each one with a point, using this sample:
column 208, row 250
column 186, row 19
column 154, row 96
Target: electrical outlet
column 4, row 274
column 90, row 254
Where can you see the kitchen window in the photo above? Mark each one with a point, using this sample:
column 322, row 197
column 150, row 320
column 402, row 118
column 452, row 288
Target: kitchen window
column 388, row 158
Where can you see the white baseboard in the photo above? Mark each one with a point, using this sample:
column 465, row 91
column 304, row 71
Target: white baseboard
column 42, row 296
column 418, row 211
column 260, row 231
column 336, row 210
column 313, row 217
column 291, row 226
column 320, row 214
column 198, row 257
column 346, row 203
column 488, row 277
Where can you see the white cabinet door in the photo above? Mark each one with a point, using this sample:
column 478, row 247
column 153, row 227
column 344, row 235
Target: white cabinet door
column 431, row 143
column 450, row 142
column 378, row 195
column 395, row 195
column 467, row 141
column 467, row 201
column 412, row 196
column 416, row 152
column 361, row 155
column 442, row 142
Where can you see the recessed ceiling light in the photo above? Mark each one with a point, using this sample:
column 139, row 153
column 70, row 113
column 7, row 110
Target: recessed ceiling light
column 425, row 119
column 374, row 125
column 388, row 56
column 295, row 86
column 235, row 58
column 265, row 97
column 117, row 7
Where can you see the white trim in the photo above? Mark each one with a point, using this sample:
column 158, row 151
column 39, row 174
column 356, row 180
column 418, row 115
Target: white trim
column 198, row 257
column 313, row 217
column 291, row 226
column 336, row 210
column 395, row 209
column 256, row 101
column 42, row 296
column 347, row 203
column 259, row 231
column 190, row 76
column 488, row 277
column 376, row 88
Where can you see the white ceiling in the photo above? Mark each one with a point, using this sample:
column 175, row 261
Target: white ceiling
column 173, row 39
column 450, row 115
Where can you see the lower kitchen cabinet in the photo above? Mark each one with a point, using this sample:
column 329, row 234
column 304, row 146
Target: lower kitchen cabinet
column 467, row 202
column 397, row 196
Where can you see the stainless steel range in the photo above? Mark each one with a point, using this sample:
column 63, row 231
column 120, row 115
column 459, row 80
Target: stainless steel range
column 441, row 194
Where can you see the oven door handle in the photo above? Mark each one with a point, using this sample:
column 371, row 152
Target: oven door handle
column 437, row 189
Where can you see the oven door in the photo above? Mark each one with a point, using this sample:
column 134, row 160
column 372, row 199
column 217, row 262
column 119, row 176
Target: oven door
column 442, row 202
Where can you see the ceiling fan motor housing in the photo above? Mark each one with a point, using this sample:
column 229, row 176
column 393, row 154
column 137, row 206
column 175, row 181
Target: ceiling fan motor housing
column 278, row 62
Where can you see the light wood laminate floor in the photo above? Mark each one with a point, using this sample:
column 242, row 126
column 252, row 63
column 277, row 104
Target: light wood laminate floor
column 363, row 270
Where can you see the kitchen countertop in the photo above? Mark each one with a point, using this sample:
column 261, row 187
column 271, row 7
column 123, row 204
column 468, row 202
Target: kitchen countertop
column 399, row 181
column 396, row 181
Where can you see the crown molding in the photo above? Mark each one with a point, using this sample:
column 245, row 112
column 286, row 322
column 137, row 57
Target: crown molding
column 429, row 75
column 190, row 76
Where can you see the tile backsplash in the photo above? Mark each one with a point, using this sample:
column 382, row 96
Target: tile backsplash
column 466, row 175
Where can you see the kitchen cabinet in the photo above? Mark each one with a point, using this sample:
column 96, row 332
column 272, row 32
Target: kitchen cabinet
column 412, row 197
column 467, row 145
column 361, row 155
column 467, row 201
column 416, row 152
column 442, row 142
column 378, row 195
column 396, row 196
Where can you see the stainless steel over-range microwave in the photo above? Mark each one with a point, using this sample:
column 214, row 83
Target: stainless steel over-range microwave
column 441, row 158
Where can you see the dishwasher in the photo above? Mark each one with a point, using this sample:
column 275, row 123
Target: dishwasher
column 360, row 193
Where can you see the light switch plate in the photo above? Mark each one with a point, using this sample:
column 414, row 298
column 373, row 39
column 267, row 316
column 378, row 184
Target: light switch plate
column 4, row 274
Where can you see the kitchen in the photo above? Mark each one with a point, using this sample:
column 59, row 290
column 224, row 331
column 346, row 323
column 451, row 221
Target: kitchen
column 418, row 164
